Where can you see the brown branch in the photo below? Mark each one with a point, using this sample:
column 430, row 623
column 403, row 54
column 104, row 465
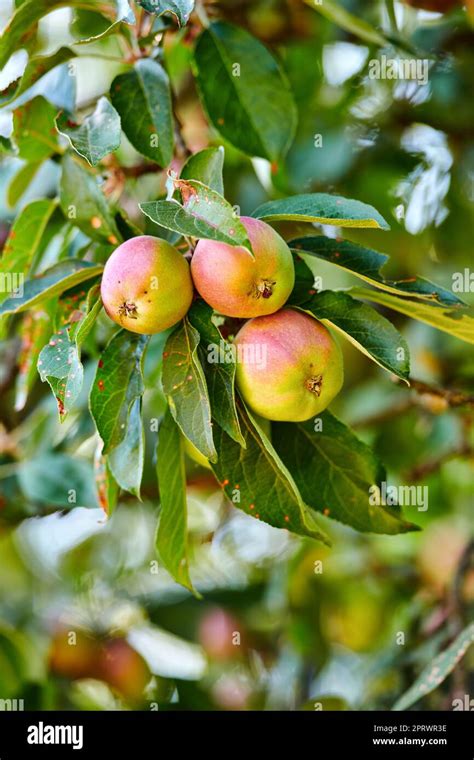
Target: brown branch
column 425, row 469
column 451, row 398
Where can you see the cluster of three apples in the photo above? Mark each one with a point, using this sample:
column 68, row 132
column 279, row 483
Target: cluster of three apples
column 289, row 367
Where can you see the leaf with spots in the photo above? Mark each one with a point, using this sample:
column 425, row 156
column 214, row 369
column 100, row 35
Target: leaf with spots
column 257, row 481
column 84, row 203
column 364, row 327
column 107, row 488
column 366, row 264
column 334, row 471
column 172, row 533
column 324, row 209
column 185, row 387
column 98, row 135
column 34, row 332
column 204, row 213
column 142, row 97
column 117, row 384
column 436, row 672
column 219, row 366
column 60, row 366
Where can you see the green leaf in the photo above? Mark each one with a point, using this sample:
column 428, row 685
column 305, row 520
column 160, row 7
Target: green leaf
column 245, row 92
column 436, row 672
column 349, row 22
column 172, row 533
column 20, row 31
column 181, row 9
column 220, row 374
column 334, row 471
column 60, row 366
column 81, row 329
column 142, row 97
column 256, row 480
column 184, row 385
column 127, row 459
column 36, row 68
column 366, row 264
column 304, row 283
column 206, row 167
column 118, row 14
column 57, row 479
column 34, row 130
column 204, row 214
column 26, row 236
column 324, row 209
column 456, row 322
column 84, row 204
column 53, row 281
column 117, row 384
column 21, row 182
column 368, row 330
column 98, row 135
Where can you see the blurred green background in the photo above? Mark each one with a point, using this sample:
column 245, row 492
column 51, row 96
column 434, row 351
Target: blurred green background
column 284, row 623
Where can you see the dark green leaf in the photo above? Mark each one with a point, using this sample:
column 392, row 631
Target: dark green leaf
column 245, row 92
column 185, row 386
column 304, row 283
column 126, row 460
column 34, row 130
column 368, row 330
column 366, row 264
column 220, row 373
column 59, row 365
column 256, row 480
column 456, row 322
column 204, row 214
column 36, row 68
column 117, row 384
column 53, row 281
column 206, row 167
column 84, row 204
column 334, row 471
column 322, row 208
column 98, row 135
column 143, row 99
column 181, row 9
column 172, row 534
column 436, row 672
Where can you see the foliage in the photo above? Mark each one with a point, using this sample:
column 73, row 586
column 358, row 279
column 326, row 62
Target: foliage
column 194, row 121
